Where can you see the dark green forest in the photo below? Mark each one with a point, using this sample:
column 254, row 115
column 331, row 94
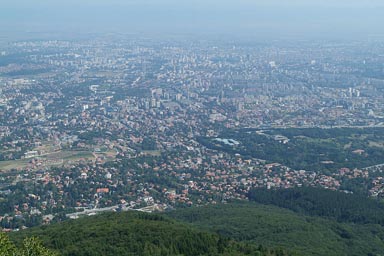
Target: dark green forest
column 134, row 233
column 277, row 227
column 301, row 221
column 334, row 205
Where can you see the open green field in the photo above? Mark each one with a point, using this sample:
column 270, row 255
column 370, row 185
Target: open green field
column 15, row 164
column 73, row 155
column 152, row 152
column 51, row 159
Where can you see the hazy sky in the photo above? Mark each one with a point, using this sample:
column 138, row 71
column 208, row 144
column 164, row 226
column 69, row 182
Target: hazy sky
column 301, row 18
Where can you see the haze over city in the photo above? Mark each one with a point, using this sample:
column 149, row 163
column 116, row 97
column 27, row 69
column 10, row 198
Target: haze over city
column 253, row 19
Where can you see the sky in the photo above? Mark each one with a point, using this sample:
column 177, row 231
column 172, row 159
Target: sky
column 252, row 18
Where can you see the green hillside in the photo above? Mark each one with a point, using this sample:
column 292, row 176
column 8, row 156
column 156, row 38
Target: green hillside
column 278, row 227
column 133, row 233
column 330, row 204
column 303, row 221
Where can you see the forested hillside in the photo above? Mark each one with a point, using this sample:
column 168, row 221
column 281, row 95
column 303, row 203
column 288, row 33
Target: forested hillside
column 133, row 233
column 336, row 205
column 302, row 221
column 277, row 227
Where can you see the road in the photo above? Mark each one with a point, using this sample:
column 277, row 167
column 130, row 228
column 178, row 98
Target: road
column 94, row 211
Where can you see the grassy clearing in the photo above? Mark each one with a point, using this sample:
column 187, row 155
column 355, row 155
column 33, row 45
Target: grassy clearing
column 66, row 156
column 14, row 164
column 378, row 144
column 152, row 152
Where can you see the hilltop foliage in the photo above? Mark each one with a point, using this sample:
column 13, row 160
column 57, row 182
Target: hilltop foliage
column 317, row 222
column 278, row 227
column 339, row 206
column 30, row 247
column 132, row 233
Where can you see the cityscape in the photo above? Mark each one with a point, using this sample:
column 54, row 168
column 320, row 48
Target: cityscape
column 120, row 123
column 186, row 128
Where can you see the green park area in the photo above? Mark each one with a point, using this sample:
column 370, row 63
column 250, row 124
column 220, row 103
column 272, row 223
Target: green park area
column 312, row 149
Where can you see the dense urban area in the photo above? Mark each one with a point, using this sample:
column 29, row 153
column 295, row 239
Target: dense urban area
column 116, row 124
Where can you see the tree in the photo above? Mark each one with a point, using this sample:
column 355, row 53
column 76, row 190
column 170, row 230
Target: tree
column 6, row 247
column 31, row 247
